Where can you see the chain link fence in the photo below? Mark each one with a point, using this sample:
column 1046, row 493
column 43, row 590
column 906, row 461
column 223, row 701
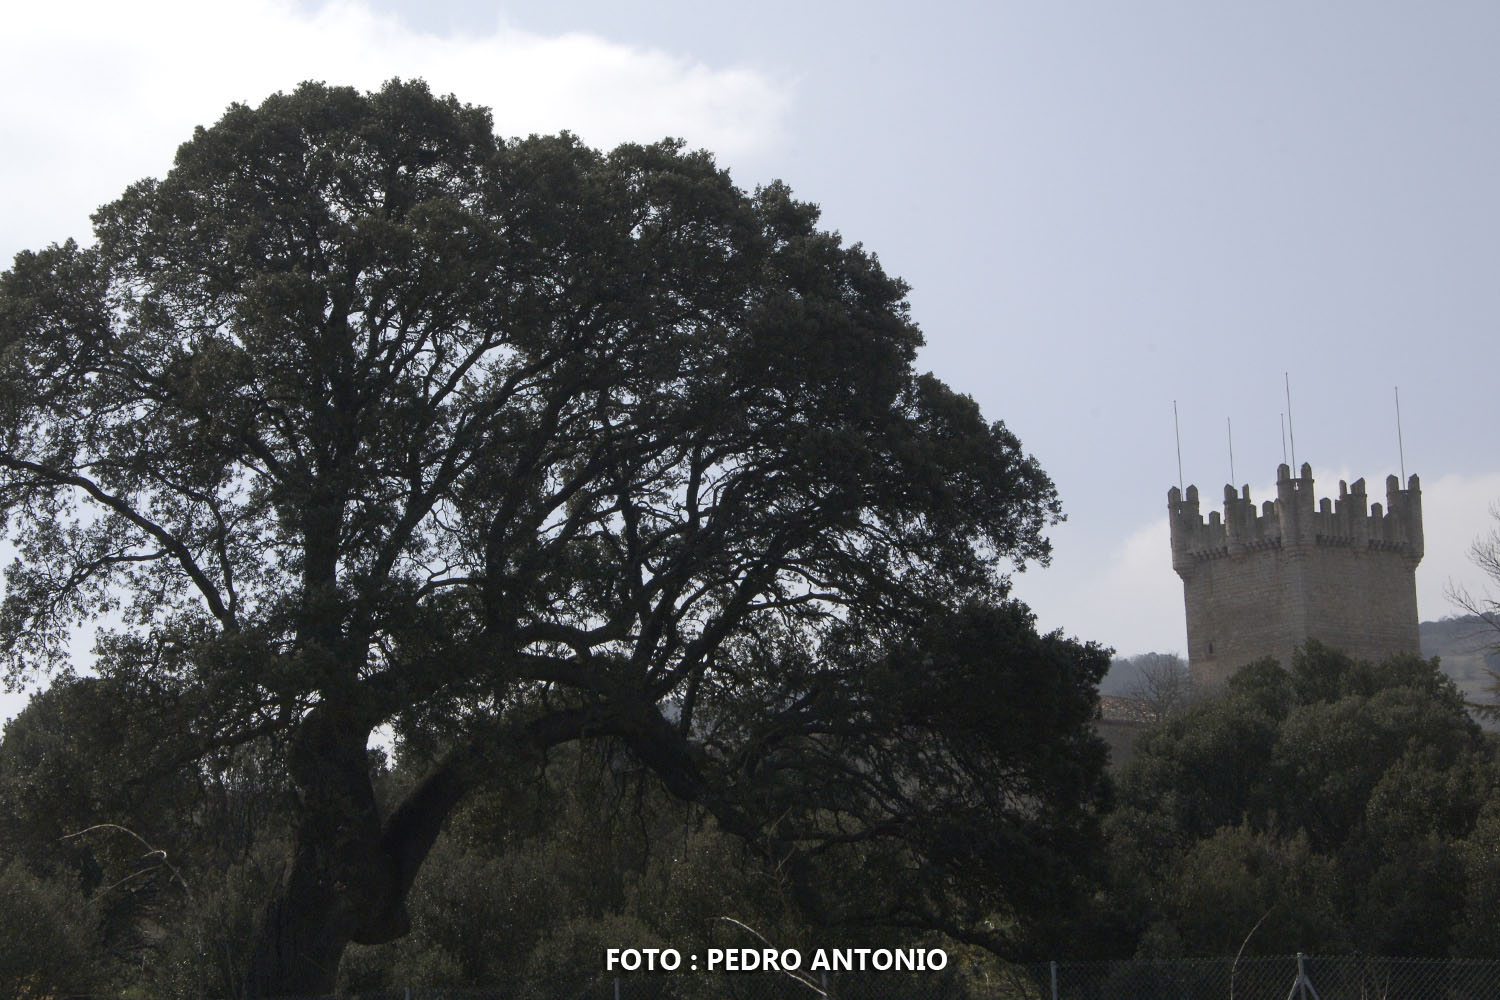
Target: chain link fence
column 951, row 984
column 1284, row 978
column 1287, row 978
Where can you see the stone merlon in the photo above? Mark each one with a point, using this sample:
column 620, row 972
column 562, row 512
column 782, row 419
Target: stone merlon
column 1258, row 581
column 1294, row 518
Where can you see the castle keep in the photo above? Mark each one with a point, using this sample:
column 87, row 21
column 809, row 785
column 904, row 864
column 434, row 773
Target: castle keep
column 1260, row 582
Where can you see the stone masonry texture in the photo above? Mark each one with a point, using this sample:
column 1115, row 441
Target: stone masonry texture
column 1260, row 582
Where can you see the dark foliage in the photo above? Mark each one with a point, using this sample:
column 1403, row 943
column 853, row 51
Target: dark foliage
column 1333, row 806
column 363, row 417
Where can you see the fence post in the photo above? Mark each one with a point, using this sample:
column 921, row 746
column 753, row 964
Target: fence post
column 1054, row 981
column 1303, row 985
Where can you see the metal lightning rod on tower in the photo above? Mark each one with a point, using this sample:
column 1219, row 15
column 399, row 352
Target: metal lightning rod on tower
column 1400, row 447
column 1291, row 428
column 1177, row 430
column 1230, row 425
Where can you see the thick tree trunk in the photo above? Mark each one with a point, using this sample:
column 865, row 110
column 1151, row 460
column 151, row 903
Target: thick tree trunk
column 350, row 872
column 302, row 933
column 338, row 876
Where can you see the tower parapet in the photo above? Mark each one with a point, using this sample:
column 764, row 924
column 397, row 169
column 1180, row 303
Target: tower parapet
column 1260, row 581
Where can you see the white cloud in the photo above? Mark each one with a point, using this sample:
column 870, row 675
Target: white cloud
column 1146, row 614
column 1130, row 600
column 1455, row 512
column 100, row 94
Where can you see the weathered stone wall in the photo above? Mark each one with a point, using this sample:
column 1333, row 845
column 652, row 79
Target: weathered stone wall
column 1261, row 582
column 1238, row 611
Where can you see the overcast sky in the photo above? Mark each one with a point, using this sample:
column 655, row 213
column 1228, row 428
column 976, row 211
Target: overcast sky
column 1101, row 207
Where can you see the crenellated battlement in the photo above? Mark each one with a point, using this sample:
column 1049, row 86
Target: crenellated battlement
column 1259, row 581
column 1294, row 518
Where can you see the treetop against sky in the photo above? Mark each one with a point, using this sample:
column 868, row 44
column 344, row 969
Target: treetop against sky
column 1098, row 212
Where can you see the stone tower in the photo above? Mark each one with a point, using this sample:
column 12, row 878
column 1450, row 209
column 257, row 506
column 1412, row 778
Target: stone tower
column 1260, row 582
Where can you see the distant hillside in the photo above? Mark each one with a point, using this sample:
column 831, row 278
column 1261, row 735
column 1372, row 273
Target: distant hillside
column 1466, row 647
column 1124, row 675
column 1132, row 692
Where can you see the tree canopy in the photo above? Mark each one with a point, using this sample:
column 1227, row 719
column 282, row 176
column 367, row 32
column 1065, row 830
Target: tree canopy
column 1333, row 805
column 362, row 417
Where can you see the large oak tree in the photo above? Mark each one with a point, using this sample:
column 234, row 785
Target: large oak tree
column 363, row 417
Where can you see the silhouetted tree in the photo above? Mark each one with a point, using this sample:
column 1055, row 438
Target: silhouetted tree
column 363, row 417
